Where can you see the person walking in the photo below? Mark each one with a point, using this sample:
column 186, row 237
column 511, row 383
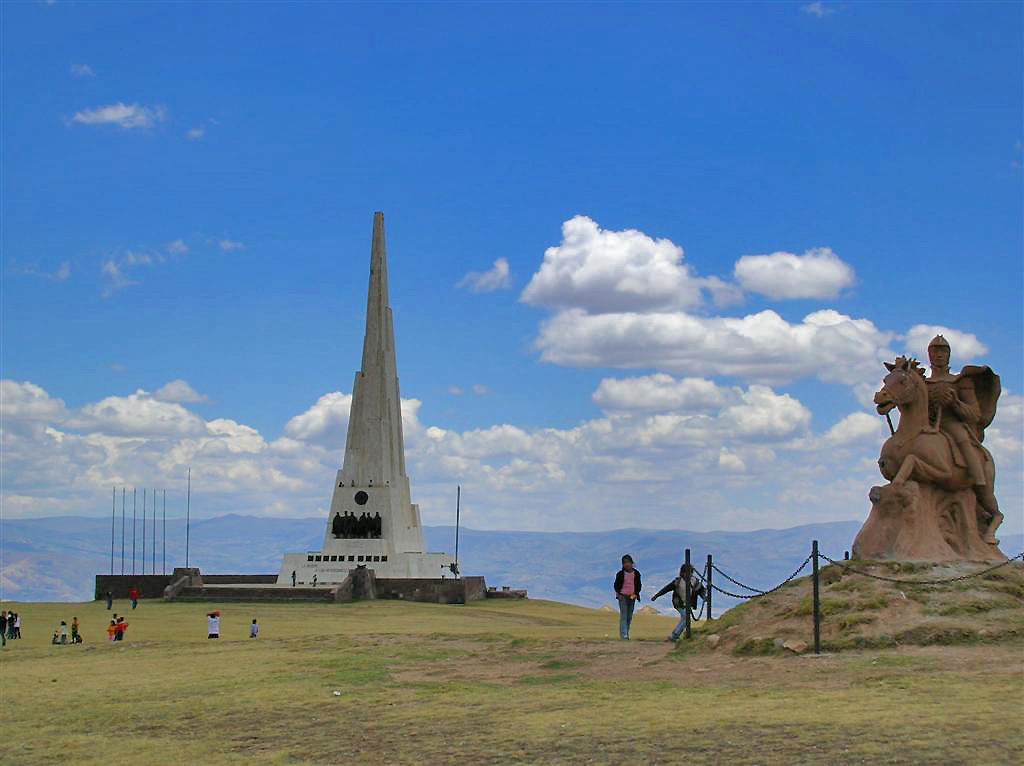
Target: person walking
column 678, row 588
column 314, row 581
column 110, row 600
column 293, row 578
column 254, row 629
column 17, row 626
column 112, row 631
column 121, row 626
column 3, row 628
column 133, row 594
column 76, row 637
column 627, row 591
column 213, row 624
column 63, row 632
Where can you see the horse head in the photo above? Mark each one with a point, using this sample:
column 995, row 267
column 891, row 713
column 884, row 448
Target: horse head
column 901, row 386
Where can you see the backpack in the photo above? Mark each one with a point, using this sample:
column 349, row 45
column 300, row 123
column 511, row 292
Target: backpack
column 696, row 591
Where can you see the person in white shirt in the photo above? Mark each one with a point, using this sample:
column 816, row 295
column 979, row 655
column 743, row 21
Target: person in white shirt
column 254, row 629
column 213, row 623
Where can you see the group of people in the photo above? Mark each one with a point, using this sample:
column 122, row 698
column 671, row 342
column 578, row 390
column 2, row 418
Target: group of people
column 10, row 626
column 213, row 625
column 350, row 526
column 60, row 635
column 627, row 592
column 116, row 629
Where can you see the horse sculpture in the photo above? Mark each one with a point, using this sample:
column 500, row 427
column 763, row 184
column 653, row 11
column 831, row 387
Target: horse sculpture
column 929, row 509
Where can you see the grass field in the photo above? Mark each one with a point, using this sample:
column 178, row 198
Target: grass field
column 492, row 682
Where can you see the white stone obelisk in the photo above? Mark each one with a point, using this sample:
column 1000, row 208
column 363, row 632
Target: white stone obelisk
column 372, row 479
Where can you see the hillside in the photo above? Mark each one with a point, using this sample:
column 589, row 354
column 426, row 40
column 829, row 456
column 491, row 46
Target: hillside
column 56, row 558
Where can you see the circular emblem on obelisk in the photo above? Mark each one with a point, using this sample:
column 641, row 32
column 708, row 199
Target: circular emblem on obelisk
column 361, row 498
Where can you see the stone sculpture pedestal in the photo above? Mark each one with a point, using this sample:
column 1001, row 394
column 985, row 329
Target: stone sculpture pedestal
column 922, row 522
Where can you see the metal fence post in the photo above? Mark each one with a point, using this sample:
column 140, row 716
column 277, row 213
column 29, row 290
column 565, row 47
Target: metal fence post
column 686, row 589
column 708, row 587
column 817, row 600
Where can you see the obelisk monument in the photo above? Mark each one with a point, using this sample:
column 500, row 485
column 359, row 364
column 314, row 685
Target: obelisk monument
column 373, row 521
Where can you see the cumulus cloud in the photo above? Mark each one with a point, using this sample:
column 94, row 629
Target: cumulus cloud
column 82, row 70
column 963, row 345
column 495, row 278
column 228, row 245
column 818, row 273
column 126, row 116
column 660, row 393
column 179, row 392
column 763, row 347
column 138, row 414
column 739, row 460
column 598, row 270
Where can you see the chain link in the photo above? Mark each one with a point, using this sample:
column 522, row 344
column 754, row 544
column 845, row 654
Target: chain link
column 763, row 592
column 922, row 582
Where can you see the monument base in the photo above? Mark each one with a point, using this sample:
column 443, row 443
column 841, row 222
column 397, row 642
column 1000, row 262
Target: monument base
column 922, row 522
column 333, row 567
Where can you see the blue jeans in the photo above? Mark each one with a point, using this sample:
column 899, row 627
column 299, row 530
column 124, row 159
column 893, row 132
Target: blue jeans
column 626, row 605
column 677, row 631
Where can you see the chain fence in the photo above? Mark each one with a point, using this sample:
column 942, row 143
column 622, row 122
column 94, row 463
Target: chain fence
column 757, row 592
column 900, row 581
column 709, row 586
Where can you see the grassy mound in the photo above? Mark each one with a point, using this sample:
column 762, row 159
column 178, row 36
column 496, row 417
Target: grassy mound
column 859, row 612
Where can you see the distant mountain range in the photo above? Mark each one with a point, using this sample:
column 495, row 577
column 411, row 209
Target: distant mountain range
column 56, row 558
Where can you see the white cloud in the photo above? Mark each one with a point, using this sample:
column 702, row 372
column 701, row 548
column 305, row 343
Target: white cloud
column 857, row 426
column 761, row 347
column 751, row 461
column 480, row 389
column 138, row 414
column 177, row 247
column 127, row 116
column 600, row 271
column 179, row 392
column 117, row 280
column 660, row 393
column 819, row 9
column 455, row 390
column 818, row 273
column 113, row 268
column 963, row 346
column 82, row 70
column 227, row 245
column 61, row 274
column 194, row 134
column 487, row 281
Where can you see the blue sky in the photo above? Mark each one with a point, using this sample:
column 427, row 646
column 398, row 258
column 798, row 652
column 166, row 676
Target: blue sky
column 188, row 192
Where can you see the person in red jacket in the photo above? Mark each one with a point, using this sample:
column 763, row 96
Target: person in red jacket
column 121, row 626
column 133, row 594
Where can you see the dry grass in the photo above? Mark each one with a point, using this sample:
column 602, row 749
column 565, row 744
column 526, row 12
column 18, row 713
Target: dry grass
column 860, row 612
column 488, row 683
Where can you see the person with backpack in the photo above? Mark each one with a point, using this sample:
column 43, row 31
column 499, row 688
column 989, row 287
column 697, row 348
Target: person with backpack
column 627, row 593
column 678, row 588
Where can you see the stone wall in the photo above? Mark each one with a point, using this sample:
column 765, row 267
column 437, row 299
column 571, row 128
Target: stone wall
column 150, row 586
column 459, row 591
column 239, row 579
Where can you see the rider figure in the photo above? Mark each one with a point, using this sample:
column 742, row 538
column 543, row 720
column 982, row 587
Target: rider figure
column 954, row 409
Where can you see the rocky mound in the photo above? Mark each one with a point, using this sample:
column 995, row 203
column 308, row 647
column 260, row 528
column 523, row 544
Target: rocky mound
column 862, row 612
